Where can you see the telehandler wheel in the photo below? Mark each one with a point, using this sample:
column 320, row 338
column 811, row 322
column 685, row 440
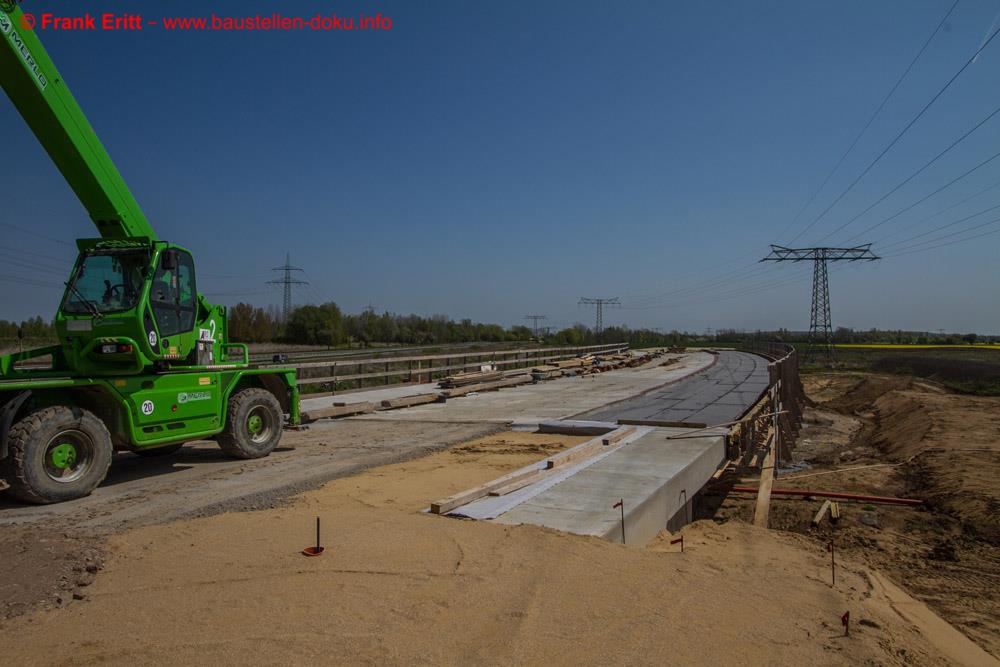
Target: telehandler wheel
column 158, row 451
column 253, row 424
column 57, row 453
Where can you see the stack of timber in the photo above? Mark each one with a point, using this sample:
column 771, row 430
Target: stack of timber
column 488, row 374
column 572, row 363
column 539, row 373
column 485, row 386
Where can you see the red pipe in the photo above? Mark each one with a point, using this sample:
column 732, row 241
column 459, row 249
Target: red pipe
column 833, row 494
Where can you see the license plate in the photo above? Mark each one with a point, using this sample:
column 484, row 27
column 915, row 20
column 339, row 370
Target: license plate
column 109, row 349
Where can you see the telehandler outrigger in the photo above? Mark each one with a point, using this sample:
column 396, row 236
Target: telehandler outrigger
column 143, row 363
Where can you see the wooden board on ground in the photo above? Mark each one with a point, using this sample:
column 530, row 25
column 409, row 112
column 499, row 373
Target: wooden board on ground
column 465, row 497
column 818, row 519
column 766, row 482
column 517, row 484
column 662, row 424
column 485, row 386
column 618, row 434
column 408, row 401
column 587, row 449
column 338, row 411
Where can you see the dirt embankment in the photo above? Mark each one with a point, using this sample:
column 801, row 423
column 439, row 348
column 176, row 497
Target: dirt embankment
column 952, row 452
column 397, row 586
column 909, row 438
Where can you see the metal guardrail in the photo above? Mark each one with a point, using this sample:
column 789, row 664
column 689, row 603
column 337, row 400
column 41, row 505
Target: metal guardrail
column 426, row 368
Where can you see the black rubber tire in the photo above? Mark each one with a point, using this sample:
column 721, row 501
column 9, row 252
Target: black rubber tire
column 158, row 451
column 24, row 468
column 236, row 439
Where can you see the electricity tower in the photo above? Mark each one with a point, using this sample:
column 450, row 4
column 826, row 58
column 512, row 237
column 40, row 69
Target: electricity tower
column 600, row 304
column 820, row 325
column 286, row 281
column 534, row 323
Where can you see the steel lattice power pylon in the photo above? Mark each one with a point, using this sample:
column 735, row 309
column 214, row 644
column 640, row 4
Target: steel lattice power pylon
column 820, row 322
column 600, row 303
column 286, row 281
column 534, row 323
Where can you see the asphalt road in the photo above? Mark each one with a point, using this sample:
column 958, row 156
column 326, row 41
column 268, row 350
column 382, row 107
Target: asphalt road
column 718, row 394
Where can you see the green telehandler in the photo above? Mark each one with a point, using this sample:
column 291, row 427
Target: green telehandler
column 143, row 363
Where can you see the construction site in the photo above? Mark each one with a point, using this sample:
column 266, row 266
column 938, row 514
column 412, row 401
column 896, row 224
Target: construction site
column 191, row 474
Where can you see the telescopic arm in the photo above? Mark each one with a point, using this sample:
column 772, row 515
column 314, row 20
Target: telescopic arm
column 39, row 93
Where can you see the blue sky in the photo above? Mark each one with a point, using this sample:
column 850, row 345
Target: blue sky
column 489, row 160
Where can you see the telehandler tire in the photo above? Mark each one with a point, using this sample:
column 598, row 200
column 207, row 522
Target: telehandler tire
column 253, row 424
column 55, row 454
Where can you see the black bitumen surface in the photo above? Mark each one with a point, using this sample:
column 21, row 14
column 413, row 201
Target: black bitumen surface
column 714, row 396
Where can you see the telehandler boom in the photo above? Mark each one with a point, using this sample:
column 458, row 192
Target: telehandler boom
column 143, row 362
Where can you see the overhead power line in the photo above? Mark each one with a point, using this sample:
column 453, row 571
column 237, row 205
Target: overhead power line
column 742, row 290
column 899, row 136
column 944, row 187
column 942, row 245
column 964, row 200
column 741, row 273
column 871, row 120
column 31, row 232
column 914, row 174
column 941, row 227
column 948, row 235
column 21, row 280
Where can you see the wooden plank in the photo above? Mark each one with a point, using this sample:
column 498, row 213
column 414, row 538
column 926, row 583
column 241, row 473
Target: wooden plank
column 515, row 485
column 662, row 424
column 834, row 512
column 586, row 450
column 338, row 411
column 766, row 482
column 722, row 471
column 465, row 497
column 575, row 455
column 485, row 386
column 408, row 401
column 618, row 435
column 818, row 519
column 461, row 379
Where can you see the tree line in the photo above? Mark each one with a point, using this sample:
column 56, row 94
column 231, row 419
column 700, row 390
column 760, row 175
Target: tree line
column 327, row 325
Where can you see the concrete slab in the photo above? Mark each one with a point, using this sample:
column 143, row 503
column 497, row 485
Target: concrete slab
column 655, row 476
column 555, row 399
column 716, row 395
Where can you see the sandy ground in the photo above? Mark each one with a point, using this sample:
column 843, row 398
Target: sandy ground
column 397, row 586
column 49, row 551
column 904, row 437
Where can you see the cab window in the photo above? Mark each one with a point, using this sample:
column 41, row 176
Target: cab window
column 173, row 295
